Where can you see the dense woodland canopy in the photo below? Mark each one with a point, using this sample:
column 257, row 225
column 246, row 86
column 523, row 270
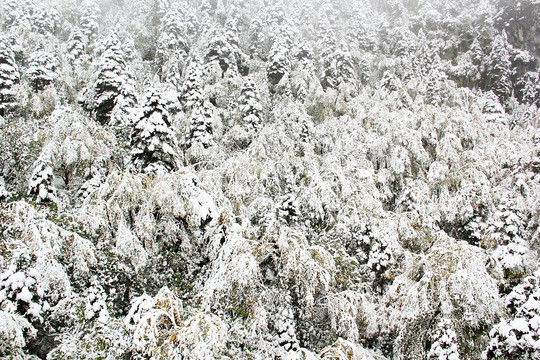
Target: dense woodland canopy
column 252, row 179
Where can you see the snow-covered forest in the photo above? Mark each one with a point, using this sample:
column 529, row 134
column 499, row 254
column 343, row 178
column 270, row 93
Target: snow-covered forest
column 259, row 179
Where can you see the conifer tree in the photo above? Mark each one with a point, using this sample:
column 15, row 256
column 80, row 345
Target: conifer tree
column 18, row 13
column 470, row 68
column 492, row 108
column 22, row 289
column 516, row 337
column 435, row 91
column 477, row 53
column 45, row 21
column 288, row 211
column 338, row 68
column 238, row 57
column 304, row 74
column 250, row 105
column 257, row 37
column 201, row 126
column 333, row 58
column 41, row 70
column 499, row 71
column 508, row 228
column 285, row 328
column 89, row 16
column 172, row 45
column 113, row 83
column 223, row 48
column 427, row 59
column 8, row 77
column 359, row 32
column 153, row 142
column 10, row 13
column 390, row 81
column 276, row 14
column 530, row 88
column 220, row 51
column 75, row 46
column 40, row 184
column 191, row 93
column 4, row 194
column 444, row 346
column 278, row 62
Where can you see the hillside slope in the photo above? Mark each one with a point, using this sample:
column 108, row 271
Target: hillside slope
column 248, row 179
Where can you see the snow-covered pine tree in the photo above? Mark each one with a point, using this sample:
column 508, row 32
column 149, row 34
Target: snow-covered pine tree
column 515, row 336
column 191, row 93
column 304, row 14
column 88, row 21
column 23, row 296
column 223, row 49
column 21, row 289
column 4, row 194
column 499, row 69
column 284, row 326
column 240, row 59
column 275, row 14
column 444, row 345
column 257, row 38
column 328, row 46
column 45, row 20
column 220, row 51
column 249, row 104
column 191, row 22
column 153, row 141
column 403, row 42
column 172, row 46
column 360, row 32
column 76, row 46
column 390, row 82
column 93, row 182
column 201, row 126
column 18, row 13
column 8, row 77
column 278, row 62
column 478, row 58
column 492, row 108
column 508, row 228
column 113, row 83
column 207, row 9
column 304, row 75
column 42, row 70
column 10, row 13
column 435, row 92
column 41, row 182
column 530, row 88
column 303, row 54
column 535, row 161
column 288, row 210
column 427, row 57
column 469, row 69
column 339, row 68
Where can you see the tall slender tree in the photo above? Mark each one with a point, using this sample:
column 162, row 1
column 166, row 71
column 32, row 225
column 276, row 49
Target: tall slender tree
column 9, row 76
column 499, row 69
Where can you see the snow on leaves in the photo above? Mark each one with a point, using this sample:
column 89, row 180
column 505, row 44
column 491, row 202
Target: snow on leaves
column 287, row 180
column 450, row 281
